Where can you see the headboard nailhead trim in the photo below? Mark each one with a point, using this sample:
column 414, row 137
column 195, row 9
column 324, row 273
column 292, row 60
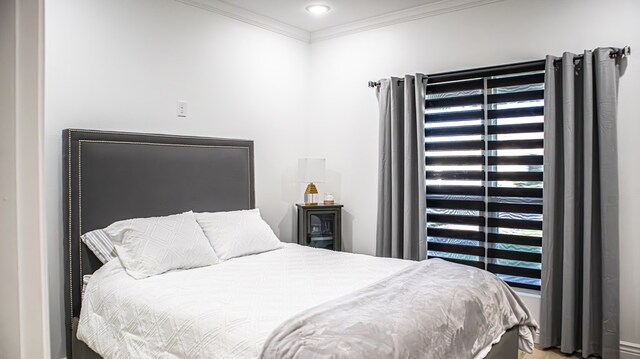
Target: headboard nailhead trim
column 70, row 235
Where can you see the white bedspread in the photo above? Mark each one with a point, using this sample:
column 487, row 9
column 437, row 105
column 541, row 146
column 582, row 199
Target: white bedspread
column 223, row 311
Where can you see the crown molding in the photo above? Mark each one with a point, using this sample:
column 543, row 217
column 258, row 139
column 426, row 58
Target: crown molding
column 225, row 9
column 437, row 8
column 396, row 17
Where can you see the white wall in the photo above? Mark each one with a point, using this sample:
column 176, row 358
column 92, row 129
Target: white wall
column 9, row 299
column 23, row 299
column 122, row 65
column 345, row 110
column 32, row 256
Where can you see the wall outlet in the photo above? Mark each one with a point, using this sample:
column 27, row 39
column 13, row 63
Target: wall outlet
column 182, row 109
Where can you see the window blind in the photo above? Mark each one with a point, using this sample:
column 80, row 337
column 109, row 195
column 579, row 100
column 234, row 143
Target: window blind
column 484, row 171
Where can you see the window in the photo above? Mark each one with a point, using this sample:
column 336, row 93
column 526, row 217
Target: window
column 484, row 168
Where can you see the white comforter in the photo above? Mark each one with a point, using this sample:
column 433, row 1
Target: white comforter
column 223, row 311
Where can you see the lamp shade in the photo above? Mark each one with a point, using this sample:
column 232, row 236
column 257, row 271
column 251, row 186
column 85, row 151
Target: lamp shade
column 311, row 170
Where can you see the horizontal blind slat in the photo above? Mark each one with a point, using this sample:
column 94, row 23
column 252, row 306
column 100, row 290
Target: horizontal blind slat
column 455, row 204
column 515, row 192
column 517, row 271
column 455, row 130
column 454, row 116
column 515, row 207
column 516, row 160
column 454, row 145
column 456, row 233
column 516, row 96
column 454, row 101
column 476, row 84
column 515, row 144
column 514, row 255
column 515, row 223
column 516, row 80
column 516, row 112
column 451, row 219
column 514, row 239
column 456, row 175
column 515, row 176
column 454, row 160
column 516, row 128
column 457, row 249
column 456, row 190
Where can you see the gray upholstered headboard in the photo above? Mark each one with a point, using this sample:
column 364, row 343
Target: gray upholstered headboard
column 110, row 176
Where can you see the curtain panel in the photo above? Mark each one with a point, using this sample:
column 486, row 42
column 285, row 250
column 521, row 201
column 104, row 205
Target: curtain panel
column 401, row 231
column 580, row 261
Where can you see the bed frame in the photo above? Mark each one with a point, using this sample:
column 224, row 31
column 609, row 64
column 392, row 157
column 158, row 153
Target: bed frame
column 111, row 176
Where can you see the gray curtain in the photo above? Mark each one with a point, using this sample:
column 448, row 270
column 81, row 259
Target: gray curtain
column 580, row 260
column 401, row 231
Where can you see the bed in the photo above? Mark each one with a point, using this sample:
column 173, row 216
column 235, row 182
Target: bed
column 113, row 176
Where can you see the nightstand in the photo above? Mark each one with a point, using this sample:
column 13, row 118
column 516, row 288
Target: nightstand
column 320, row 226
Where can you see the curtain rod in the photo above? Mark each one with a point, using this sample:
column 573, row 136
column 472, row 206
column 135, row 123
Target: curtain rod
column 453, row 75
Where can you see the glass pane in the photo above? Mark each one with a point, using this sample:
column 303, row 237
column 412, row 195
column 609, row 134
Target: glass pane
column 320, row 233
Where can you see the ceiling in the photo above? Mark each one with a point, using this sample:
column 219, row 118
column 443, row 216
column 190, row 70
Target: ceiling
column 289, row 17
column 292, row 12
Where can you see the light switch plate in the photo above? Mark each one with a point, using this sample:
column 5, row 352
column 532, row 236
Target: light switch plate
column 182, row 109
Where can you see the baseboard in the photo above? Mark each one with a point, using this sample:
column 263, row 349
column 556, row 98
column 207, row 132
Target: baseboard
column 629, row 350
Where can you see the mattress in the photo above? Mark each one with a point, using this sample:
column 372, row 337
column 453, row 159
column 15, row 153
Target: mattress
column 226, row 310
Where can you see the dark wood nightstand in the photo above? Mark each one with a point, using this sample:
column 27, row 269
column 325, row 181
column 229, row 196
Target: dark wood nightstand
column 320, row 226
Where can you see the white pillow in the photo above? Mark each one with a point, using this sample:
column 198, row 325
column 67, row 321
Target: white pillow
column 150, row 246
column 238, row 233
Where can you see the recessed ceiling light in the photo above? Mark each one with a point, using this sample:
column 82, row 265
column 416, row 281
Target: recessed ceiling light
column 318, row 9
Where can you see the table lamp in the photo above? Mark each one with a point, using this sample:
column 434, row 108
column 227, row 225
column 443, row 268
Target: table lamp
column 311, row 170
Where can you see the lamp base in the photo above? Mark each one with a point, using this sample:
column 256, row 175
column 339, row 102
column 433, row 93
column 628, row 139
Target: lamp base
column 311, row 195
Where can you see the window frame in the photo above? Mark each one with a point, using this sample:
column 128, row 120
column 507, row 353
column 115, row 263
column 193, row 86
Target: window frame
column 492, row 252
